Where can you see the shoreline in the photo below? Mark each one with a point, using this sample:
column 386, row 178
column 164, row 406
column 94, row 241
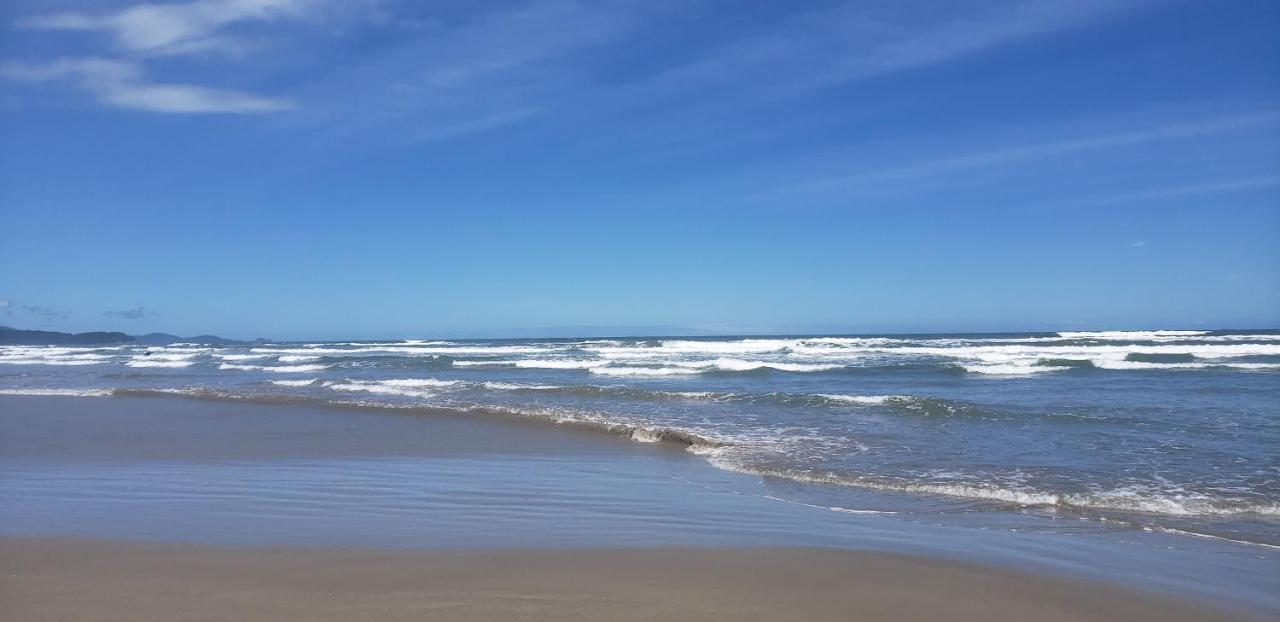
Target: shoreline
column 67, row 579
column 704, row 446
column 239, row 476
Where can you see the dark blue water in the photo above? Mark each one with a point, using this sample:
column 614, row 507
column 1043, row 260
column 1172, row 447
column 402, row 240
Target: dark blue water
column 1166, row 430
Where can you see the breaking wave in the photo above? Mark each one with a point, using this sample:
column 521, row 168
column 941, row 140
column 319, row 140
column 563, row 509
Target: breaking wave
column 1120, row 500
column 849, row 411
column 279, row 369
column 694, row 440
column 59, row 392
column 159, row 363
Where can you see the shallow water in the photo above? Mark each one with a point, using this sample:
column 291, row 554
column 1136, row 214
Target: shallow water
column 239, row 473
column 1165, row 430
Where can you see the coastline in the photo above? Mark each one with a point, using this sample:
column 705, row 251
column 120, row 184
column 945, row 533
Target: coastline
column 50, row 580
column 116, row 479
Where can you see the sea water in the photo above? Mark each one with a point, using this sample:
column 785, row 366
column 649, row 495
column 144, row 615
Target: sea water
column 1175, row 431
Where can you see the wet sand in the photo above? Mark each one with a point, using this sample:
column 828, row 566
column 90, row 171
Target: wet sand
column 52, row 579
column 175, row 509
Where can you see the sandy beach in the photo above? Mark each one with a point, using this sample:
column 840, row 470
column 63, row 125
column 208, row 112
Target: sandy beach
column 47, row 580
column 165, row 508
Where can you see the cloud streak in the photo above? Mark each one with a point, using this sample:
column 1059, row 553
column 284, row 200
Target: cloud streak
column 858, row 40
column 486, row 70
column 137, row 313
column 1177, row 192
column 471, row 71
column 172, row 29
column 144, row 31
column 123, row 84
column 1022, row 153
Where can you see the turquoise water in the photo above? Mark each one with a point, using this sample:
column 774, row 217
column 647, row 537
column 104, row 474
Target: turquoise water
column 1175, row 431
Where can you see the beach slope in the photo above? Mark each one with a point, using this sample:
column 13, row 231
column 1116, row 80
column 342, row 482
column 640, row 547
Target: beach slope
column 70, row 579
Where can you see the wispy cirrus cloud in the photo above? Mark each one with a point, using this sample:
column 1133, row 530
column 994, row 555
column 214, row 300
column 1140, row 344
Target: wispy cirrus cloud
column 1020, row 153
column 477, row 67
column 136, row 313
column 143, row 31
column 1191, row 190
column 538, row 59
column 485, row 69
column 169, row 29
column 123, row 84
column 851, row 41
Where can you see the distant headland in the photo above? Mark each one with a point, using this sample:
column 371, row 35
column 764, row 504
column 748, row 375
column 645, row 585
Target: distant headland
column 16, row 336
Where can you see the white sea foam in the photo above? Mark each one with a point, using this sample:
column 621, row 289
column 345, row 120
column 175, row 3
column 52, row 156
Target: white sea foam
column 419, row 382
column 1131, row 335
column 1112, row 364
column 708, row 451
column 970, row 491
column 1173, row 503
column 558, row 364
column 408, row 350
column 380, row 388
column 644, row 371
column 294, row 383
column 149, row 362
column 731, row 364
column 406, row 387
column 166, row 356
column 27, row 351
column 866, row 400
column 674, row 368
column 515, row 386
column 297, row 358
column 294, row 369
column 279, row 369
column 1026, row 369
column 1012, row 356
column 697, row 395
column 742, row 346
column 645, row 435
column 51, row 361
column 58, row 392
column 535, row 363
column 34, row 355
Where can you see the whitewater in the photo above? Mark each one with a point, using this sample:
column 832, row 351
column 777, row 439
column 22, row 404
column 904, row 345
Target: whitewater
column 1175, row 430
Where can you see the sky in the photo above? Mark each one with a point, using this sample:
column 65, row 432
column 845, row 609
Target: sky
column 299, row 169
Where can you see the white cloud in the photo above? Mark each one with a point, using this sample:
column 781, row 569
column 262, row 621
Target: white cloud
column 166, row 29
column 494, row 67
column 148, row 30
column 123, row 84
column 1177, row 192
column 862, row 39
column 1009, row 155
column 185, row 98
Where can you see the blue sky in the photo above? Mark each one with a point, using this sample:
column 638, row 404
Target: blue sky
column 315, row 168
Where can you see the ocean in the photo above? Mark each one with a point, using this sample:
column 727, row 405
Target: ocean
column 1171, row 431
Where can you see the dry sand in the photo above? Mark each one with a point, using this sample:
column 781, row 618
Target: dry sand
column 65, row 579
